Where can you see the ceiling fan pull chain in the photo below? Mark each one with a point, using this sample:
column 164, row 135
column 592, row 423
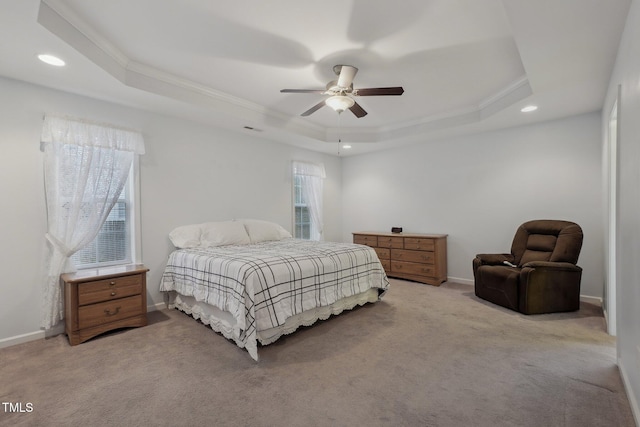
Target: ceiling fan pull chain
column 339, row 139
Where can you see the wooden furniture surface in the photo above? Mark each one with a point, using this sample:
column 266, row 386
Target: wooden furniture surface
column 101, row 300
column 412, row 256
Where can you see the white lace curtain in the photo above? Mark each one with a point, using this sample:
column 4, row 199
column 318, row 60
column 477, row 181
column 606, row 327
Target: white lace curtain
column 86, row 166
column 311, row 176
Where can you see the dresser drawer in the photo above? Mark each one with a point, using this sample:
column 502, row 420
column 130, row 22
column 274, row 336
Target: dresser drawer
column 419, row 244
column 412, row 268
column 386, row 264
column 111, row 311
column 390, row 242
column 383, row 253
column 363, row 239
column 412, row 256
column 109, row 289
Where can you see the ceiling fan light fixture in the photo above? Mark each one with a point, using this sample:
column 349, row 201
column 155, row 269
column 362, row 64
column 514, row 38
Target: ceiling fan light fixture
column 339, row 103
column 341, row 89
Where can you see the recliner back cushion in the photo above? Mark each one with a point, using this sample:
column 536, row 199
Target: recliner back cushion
column 538, row 248
column 547, row 240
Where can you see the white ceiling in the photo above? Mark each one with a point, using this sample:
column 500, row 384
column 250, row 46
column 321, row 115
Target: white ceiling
column 465, row 65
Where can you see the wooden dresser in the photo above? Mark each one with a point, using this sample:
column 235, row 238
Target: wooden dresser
column 419, row 257
column 105, row 299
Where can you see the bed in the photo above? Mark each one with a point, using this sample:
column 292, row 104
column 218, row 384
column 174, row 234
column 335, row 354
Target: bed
column 252, row 282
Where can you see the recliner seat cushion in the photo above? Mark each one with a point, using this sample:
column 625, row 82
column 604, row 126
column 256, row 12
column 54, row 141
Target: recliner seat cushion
column 499, row 284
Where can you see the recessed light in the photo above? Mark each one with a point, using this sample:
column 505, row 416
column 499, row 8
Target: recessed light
column 51, row 60
column 529, row 108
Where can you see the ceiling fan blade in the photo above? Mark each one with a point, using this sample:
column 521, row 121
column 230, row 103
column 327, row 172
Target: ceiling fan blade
column 313, row 109
column 357, row 110
column 379, row 91
column 320, row 91
column 347, row 73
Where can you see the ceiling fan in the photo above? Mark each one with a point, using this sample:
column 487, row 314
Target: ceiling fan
column 342, row 92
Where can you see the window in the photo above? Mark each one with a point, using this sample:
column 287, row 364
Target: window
column 307, row 189
column 302, row 223
column 118, row 237
column 113, row 244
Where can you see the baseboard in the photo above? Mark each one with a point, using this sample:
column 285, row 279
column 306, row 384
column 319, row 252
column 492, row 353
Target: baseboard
column 591, row 300
column 633, row 402
column 460, row 280
column 156, row 307
column 19, row 339
column 56, row 330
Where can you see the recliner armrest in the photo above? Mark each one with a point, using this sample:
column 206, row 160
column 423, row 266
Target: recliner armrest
column 494, row 259
column 565, row 266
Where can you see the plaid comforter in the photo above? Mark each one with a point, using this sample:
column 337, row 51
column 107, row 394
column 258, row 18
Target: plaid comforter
column 263, row 284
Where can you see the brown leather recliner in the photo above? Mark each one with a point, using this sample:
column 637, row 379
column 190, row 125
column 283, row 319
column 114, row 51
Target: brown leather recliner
column 544, row 277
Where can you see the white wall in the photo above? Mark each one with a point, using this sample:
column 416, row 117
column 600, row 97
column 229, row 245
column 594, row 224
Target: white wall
column 627, row 75
column 478, row 189
column 190, row 173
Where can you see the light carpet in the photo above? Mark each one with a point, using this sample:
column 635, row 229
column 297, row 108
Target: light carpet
column 423, row 356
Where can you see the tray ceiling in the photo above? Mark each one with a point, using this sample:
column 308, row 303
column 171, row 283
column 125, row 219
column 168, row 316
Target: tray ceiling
column 467, row 65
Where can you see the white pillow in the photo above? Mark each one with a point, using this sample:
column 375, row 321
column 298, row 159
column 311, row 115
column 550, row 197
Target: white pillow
column 186, row 236
column 223, row 233
column 261, row 231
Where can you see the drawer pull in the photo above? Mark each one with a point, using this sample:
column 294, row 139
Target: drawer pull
column 113, row 294
column 112, row 283
column 109, row 313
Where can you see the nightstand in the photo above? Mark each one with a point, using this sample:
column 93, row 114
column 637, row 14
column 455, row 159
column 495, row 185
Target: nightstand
column 101, row 300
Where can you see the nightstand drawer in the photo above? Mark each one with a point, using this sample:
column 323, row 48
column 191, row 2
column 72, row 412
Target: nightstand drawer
column 111, row 311
column 109, row 289
column 412, row 256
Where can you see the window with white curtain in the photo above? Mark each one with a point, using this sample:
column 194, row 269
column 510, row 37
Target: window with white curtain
column 302, row 219
column 86, row 167
column 307, row 189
